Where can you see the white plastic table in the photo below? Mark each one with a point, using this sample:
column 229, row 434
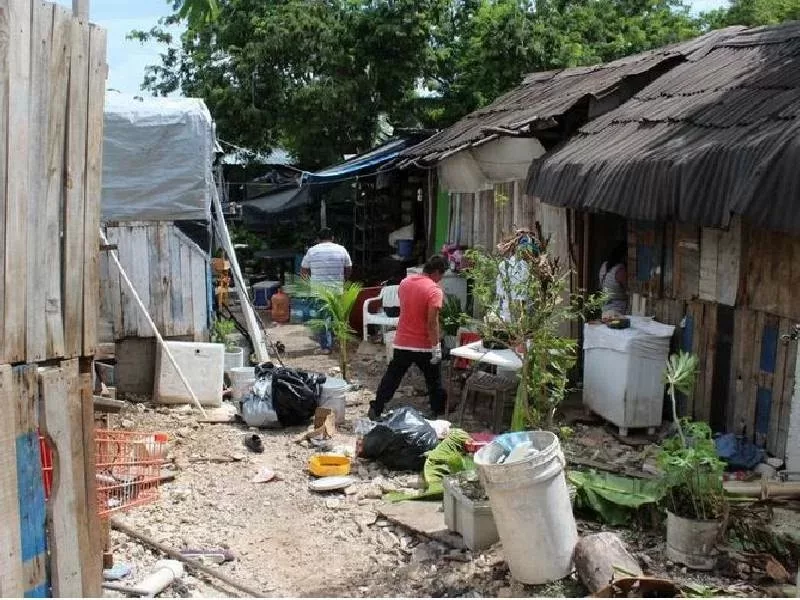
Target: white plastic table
column 506, row 359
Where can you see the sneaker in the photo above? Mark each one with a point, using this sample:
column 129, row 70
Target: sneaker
column 254, row 444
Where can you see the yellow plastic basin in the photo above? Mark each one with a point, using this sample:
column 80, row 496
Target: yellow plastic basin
column 329, row 465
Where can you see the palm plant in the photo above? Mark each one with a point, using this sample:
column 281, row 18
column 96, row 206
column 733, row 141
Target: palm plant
column 679, row 376
column 336, row 304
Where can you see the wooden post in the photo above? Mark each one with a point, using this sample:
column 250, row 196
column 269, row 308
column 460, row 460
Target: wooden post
column 80, row 9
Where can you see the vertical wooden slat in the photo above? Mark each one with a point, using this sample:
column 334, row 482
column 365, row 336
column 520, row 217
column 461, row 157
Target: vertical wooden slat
column 37, row 275
column 10, row 551
column 91, row 556
column 687, row 261
column 787, row 394
column 175, row 286
column 782, row 350
column 18, row 180
column 74, row 202
column 710, row 355
column 5, row 32
column 709, row 253
column 138, row 269
column 154, row 257
column 186, row 288
column 30, row 486
column 753, row 364
column 728, row 261
column 114, row 288
column 56, row 128
column 69, row 528
column 94, row 175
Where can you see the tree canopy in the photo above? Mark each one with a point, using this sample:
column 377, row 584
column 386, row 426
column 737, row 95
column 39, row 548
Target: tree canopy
column 317, row 76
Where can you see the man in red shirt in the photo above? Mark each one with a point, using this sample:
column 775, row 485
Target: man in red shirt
column 417, row 338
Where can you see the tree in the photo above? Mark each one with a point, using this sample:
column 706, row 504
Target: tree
column 316, row 75
column 753, row 13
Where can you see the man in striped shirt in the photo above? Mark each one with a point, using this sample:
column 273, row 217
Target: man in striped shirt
column 329, row 264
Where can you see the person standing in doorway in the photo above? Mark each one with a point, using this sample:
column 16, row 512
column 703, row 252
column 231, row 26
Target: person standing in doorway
column 417, row 340
column 614, row 283
column 329, row 264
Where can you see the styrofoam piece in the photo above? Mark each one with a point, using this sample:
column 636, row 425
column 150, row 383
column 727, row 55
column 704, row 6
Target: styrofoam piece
column 473, row 520
column 623, row 372
column 333, row 396
column 202, row 365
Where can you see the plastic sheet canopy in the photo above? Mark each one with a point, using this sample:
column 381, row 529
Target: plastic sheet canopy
column 157, row 159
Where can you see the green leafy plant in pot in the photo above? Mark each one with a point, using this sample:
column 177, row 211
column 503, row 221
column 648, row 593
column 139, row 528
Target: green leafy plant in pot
column 692, row 478
column 220, row 330
column 451, row 318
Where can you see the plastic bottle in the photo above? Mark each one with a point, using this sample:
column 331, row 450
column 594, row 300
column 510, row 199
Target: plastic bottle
column 280, row 307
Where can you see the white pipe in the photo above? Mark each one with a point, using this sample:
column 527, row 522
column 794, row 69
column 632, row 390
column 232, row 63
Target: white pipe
column 161, row 341
column 164, row 574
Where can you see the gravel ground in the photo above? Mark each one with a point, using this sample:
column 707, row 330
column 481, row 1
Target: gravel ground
column 290, row 541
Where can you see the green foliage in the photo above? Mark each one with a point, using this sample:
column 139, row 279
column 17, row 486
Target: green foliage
column 533, row 331
column 613, row 497
column 692, row 473
column 679, row 376
column 336, row 306
column 753, row 13
column 316, row 76
column 221, row 328
column 451, row 317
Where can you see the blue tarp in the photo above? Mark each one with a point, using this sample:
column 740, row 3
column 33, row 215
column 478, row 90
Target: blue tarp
column 363, row 164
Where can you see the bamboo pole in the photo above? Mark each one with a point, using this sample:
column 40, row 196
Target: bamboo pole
column 189, row 562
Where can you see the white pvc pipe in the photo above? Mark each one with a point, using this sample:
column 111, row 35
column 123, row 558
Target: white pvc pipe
column 161, row 341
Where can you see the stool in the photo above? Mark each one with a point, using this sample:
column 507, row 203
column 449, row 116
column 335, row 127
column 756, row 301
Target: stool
column 501, row 389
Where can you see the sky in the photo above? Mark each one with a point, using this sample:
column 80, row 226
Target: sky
column 127, row 59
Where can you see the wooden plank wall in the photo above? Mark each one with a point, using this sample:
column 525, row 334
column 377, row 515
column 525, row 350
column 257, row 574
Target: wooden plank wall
column 52, row 402
column 168, row 271
column 52, row 81
column 752, row 270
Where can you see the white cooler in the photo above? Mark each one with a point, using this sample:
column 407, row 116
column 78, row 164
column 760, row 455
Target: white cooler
column 623, row 372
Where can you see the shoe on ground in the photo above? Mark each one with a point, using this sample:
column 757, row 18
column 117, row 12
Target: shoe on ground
column 373, row 415
column 254, row 444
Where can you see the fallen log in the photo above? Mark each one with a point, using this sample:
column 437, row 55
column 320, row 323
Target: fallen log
column 601, row 558
column 189, row 562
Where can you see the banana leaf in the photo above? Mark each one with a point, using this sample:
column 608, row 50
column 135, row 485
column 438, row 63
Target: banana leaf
column 613, row 497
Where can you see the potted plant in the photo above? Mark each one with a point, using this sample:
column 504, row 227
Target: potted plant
column 451, row 318
column 334, row 308
column 221, row 329
column 538, row 285
column 692, row 478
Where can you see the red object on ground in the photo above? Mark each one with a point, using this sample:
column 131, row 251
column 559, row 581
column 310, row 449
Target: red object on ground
column 357, row 316
column 47, row 465
column 478, row 441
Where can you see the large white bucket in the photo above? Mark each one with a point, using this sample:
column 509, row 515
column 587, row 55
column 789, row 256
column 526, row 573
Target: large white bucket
column 531, row 506
column 242, row 379
column 333, row 397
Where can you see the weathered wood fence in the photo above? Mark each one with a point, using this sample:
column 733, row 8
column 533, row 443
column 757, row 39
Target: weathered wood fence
column 52, row 81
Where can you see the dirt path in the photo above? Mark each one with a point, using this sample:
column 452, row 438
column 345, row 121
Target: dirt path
column 289, row 541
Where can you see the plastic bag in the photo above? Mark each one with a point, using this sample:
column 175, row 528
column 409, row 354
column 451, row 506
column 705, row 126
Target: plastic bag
column 257, row 409
column 295, row 394
column 401, row 441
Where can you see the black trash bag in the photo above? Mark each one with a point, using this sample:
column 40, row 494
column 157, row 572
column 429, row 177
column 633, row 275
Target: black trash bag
column 401, row 441
column 295, row 393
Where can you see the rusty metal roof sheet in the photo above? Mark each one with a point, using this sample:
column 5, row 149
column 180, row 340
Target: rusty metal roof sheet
column 717, row 135
column 543, row 97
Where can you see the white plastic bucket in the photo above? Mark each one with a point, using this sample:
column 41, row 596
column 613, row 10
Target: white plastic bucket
column 531, row 506
column 242, row 379
column 333, row 397
column 234, row 357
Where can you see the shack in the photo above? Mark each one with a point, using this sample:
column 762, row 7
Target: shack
column 158, row 156
column 700, row 169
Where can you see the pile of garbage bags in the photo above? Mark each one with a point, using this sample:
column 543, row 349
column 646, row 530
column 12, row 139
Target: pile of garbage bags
column 282, row 396
column 401, row 440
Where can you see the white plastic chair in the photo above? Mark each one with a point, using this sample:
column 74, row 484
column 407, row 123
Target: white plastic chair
column 389, row 296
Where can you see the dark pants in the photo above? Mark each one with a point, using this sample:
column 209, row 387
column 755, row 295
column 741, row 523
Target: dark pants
column 400, row 363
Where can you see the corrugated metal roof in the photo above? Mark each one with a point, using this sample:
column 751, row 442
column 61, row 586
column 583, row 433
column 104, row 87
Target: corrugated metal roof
column 544, row 96
column 717, row 135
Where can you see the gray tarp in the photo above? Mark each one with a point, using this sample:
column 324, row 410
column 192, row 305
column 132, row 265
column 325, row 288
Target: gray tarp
column 157, row 159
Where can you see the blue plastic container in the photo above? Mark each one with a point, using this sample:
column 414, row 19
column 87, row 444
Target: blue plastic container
column 405, row 248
